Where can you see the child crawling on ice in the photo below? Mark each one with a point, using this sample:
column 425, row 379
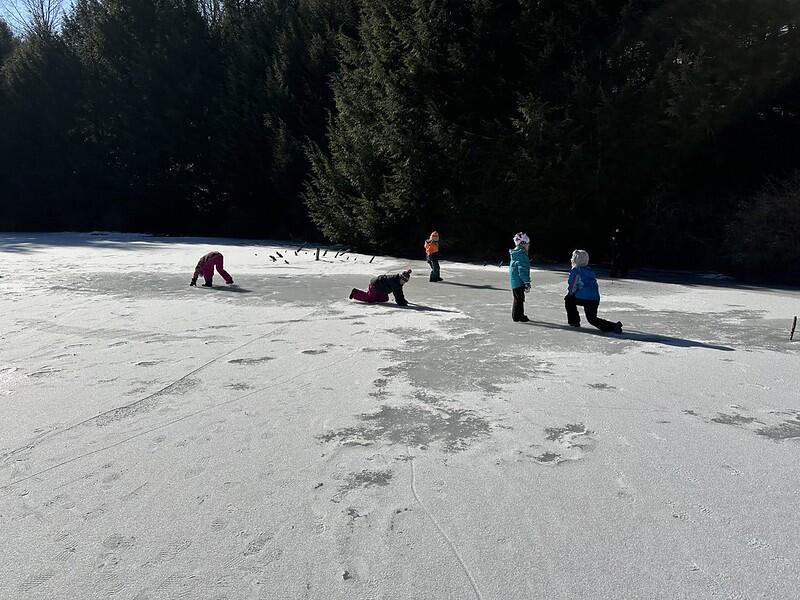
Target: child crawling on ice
column 582, row 291
column 381, row 286
column 205, row 266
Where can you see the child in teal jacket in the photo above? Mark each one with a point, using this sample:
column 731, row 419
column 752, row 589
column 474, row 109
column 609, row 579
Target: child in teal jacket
column 519, row 271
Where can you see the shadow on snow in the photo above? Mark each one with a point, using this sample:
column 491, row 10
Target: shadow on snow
column 637, row 336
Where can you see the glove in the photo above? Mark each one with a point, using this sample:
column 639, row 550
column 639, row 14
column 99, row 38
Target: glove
column 193, row 283
column 527, row 287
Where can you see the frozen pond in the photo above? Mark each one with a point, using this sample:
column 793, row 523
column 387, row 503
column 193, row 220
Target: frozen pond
column 277, row 440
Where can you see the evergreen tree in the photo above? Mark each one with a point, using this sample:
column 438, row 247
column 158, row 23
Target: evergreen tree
column 476, row 117
column 422, row 98
column 148, row 71
column 40, row 92
column 279, row 56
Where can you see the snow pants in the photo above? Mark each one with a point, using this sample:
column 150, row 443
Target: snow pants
column 433, row 261
column 571, row 303
column 372, row 295
column 518, row 308
column 208, row 270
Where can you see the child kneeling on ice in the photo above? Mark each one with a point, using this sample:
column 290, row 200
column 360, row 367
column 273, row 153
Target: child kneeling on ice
column 206, row 266
column 582, row 291
column 381, row 286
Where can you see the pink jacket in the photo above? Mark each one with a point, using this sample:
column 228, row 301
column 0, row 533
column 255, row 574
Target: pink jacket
column 203, row 260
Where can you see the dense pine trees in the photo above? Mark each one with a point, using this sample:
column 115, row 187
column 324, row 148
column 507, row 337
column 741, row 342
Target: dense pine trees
column 374, row 121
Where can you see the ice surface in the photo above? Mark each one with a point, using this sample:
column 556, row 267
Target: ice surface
column 276, row 440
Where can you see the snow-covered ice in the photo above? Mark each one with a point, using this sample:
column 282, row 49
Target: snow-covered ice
column 276, row 440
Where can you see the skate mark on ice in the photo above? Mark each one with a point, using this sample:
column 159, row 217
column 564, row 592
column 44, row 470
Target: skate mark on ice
column 148, row 363
column 690, row 412
column 116, row 588
column 142, row 386
column 269, row 556
column 172, row 550
column 134, row 493
column 66, row 553
column 239, row 387
column 109, row 479
column 441, row 531
column 733, row 470
column 146, row 404
column 174, row 386
column 257, row 545
column 45, row 372
column 279, row 381
column 109, row 561
column 251, row 361
column 314, row 352
column 601, row 386
column 37, row 579
column 94, row 513
column 178, row 586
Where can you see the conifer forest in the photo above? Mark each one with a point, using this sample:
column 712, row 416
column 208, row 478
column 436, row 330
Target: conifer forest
column 671, row 125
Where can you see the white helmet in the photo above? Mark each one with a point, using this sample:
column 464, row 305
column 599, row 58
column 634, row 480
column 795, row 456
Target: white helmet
column 521, row 238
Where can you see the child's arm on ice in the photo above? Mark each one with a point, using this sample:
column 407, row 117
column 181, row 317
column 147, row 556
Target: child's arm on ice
column 399, row 298
column 197, row 270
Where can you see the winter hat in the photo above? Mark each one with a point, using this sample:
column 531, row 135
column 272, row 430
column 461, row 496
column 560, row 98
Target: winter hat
column 434, row 236
column 580, row 258
column 405, row 275
column 521, row 238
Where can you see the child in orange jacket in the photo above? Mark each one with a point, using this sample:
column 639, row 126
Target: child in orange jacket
column 432, row 255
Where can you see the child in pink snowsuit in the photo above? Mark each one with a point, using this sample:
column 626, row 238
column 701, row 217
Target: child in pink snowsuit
column 206, row 266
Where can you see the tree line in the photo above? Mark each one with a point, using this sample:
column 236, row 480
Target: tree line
column 371, row 122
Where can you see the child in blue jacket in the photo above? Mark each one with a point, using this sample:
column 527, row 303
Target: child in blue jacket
column 519, row 272
column 582, row 291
